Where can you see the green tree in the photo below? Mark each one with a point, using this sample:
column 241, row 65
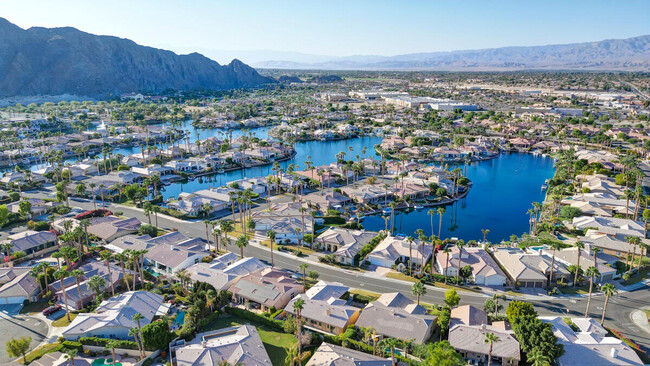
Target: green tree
column 4, row 215
column 18, row 347
column 391, row 344
column 271, row 235
column 518, row 308
column 535, row 336
column 609, row 290
column 591, row 273
column 451, row 298
column 156, row 335
column 443, row 320
column 443, row 354
column 25, row 208
column 241, row 243
column 418, row 290
column 490, row 339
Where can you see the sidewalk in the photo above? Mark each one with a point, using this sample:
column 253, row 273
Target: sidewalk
column 641, row 320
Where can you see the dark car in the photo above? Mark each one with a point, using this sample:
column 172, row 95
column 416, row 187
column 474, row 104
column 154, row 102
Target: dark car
column 51, row 310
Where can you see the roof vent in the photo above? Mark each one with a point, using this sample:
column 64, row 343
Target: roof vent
column 614, row 353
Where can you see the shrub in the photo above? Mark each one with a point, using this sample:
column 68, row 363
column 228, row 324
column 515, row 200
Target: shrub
column 101, row 342
column 73, row 345
column 272, row 323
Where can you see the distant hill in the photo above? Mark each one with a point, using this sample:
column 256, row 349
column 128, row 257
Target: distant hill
column 55, row 61
column 631, row 54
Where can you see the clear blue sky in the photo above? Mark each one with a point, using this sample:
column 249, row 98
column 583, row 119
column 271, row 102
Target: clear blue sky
column 340, row 28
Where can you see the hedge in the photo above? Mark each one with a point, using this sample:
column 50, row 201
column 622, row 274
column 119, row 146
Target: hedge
column 72, row 345
column 102, row 342
column 366, row 249
column 271, row 323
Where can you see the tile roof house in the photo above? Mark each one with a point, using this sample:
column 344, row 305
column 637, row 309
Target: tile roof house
column 394, row 315
column 16, row 286
column 467, row 331
column 367, row 193
column 77, row 301
column 344, row 244
column 590, row 345
column 604, row 262
column 30, row 241
column 170, row 259
column 529, row 270
column 113, row 318
column 221, row 273
column 616, row 245
column 240, row 345
column 394, row 249
column 266, row 288
column 286, row 220
column 324, row 309
column 109, row 228
column 332, row 355
column 608, row 225
column 485, row 270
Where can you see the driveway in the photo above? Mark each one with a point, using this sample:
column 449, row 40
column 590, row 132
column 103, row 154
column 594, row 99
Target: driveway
column 20, row 326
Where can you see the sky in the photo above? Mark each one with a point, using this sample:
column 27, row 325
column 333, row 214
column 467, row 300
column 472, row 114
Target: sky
column 339, row 28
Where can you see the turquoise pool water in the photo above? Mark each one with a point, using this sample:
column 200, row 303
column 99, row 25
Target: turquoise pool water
column 180, row 318
column 104, row 361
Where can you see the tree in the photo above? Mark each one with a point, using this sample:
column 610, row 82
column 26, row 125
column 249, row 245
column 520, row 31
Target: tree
column 609, row 290
column 298, row 305
column 447, row 251
column 4, row 215
column 156, row 335
column 646, row 218
column 18, row 347
column 313, row 275
column 70, row 354
column 555, row 245
column 25, row 208
column 490, row 339
column 271, row 235
column 466, row 272
column 146, row 229
column 303, row 268
column 518, row 308
column 580, row 245
column 485, row 232
column 418, row 290
column 106, row 255
column 137, row 317
column 77, row 273
column 241, row 243
column 451, row 298
column 460, row 244
column 535, row 336
column 443, row 320
column 111, row 346
column 591, row 273
column 538, row 358
column 390, row 343
column 443, row 354
column 97, row 284
column 60, row 275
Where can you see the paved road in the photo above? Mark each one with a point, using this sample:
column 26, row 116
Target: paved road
column 20, row 326
column 619, row 309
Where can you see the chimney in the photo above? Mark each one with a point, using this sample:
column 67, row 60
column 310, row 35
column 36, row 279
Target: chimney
column 614, row 353
column 203, row 343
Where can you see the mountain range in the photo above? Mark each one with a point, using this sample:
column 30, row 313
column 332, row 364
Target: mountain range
column 631, row 54
column 56, row 61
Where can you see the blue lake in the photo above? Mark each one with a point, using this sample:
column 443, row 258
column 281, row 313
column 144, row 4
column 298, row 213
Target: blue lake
column 503, row 190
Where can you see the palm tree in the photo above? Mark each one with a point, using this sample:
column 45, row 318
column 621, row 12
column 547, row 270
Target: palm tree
column 241, row 243
column 60, row 275
column 485, row 232
column 136, row 318
column 431, row 212
column 70, row 355
column 292, row 352
column 490, row 339
column 460, row 244
column 97, row 283
column 303, row 268
column 555, row 246
column 133, row 332
column 106, row 255
column 391, row 343
column 441, row 211
column 409, row 240
column 207, row 231
column 35, row 272
column 298, row 305
column 121, row 257
column 538, row 358
column 77, row 273
column 609, row 290
column 496, row 298
column 271, row 235
column 111, row 345
column 446, row 251
column 580, row 245
column 418, row 290
column 591, row 272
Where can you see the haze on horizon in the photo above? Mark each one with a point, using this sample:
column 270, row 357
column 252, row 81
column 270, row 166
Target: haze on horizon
column 255, row 30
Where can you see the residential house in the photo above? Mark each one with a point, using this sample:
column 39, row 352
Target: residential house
column 265, row 289
column 590, row 345
column 113, row 318
column 332, row 355
column 344, row 244
column 608, row 225
column 192, row 204
column 397, row 249
column 239, row 345
column 394, row 315
column 615, row 245
column 18, row 286
column 367, row 193
column 467, row 330
column 30, row 241
column 221, row 273
column 529, row 270
column 605, row 263
column 109, row 228
column 485, row 271
column 324, row 309
column 80, row 295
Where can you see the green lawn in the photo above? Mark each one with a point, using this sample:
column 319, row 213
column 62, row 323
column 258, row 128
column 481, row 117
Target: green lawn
column 274, row 341
column 400, row 276
column 638, row 277
column 39, row 352
column 581, row 290
column 63, row 321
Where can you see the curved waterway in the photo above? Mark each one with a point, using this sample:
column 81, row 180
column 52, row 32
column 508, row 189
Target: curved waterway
column 503, row 190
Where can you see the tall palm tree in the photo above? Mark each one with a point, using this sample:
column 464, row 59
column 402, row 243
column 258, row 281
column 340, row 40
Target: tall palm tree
column 97, row 283
column 35, row 272
column 111, row 345
column 580, row 245
column 446, row 251
column 490, row 339
column 106, row 255
column 555, row 245
column 418, row 290
column 271, row 235
column 136, row 318
column 441, row 211
column 70, row 355
column 298, row 305
column 591, row 272
column 121, row 257
column 60, row 275
column 241, row 243
column 609, row 290
column 303, row 268
column 390, row 343
column 460, row 244
column 485, row 232
column 133, row 332
column 409, row 240
column 431, row 212
column 77, row 273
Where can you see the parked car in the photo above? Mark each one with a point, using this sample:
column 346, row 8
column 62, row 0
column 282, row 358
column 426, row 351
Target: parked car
column 51, row 310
